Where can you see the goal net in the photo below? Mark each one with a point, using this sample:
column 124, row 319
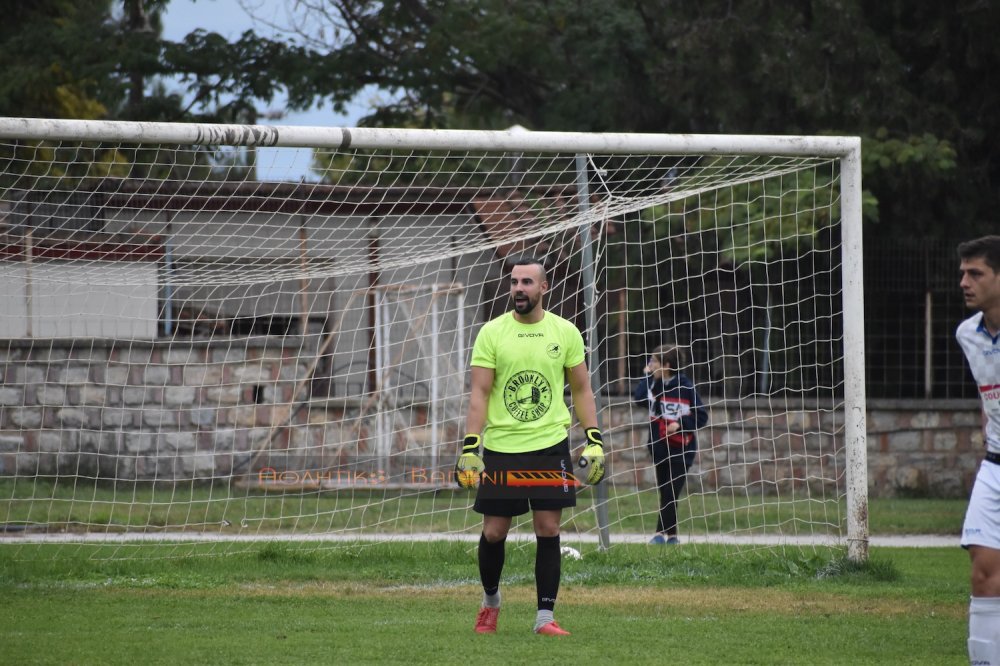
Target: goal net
column 194, row 351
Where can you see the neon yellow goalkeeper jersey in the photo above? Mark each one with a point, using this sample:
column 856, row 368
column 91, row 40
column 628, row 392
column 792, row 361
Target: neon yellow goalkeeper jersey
column 526, row 409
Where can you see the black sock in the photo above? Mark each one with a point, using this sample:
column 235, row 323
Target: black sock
column 548, row 569
column 491, row 557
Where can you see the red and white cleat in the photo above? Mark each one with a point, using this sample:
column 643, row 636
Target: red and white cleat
column 551, row 629
column 486, row 620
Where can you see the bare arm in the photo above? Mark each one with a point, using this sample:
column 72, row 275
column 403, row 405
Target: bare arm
column 583, row 395
column 481, row 383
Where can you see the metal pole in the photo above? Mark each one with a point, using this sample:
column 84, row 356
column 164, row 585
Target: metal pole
column 168, row 278
column 764, row 382
column 382, row 342
column 929, row 344
column 435, row 379
column 28, row 286
column 590, row 309
column 373, row 138
column 304, row 281
column 855, row 422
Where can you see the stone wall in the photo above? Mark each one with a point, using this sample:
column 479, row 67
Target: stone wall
column 915, row 448
column 142, row 410
column 924, row 447
column 198, row 411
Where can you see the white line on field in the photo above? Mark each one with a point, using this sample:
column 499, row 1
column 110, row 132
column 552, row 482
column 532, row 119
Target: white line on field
column 27, row 537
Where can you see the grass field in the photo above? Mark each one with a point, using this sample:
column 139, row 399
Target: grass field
column 61, row 506
column 388, row 603
column 280, row 602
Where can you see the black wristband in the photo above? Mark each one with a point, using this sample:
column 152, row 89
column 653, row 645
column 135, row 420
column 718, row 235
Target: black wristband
column 594, row 436
column 471, row 443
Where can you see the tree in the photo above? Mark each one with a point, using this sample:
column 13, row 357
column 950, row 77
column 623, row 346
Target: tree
column 107, row 59
column 65, row 79
column 913, row 81
column 103, row 59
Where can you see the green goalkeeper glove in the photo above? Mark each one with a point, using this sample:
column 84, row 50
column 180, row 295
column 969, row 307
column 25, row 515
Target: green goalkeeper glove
column 592, row 459
column 470, row 465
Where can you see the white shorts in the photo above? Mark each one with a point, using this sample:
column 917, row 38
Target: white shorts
column 982, row 518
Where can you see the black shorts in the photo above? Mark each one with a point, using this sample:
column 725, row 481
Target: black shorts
column 557, row 457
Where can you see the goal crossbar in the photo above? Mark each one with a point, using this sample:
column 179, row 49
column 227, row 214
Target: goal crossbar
column 343, row 138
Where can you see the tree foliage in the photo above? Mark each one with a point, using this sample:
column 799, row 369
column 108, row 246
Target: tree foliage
column 106, row 59
column 51, row 67
column 914, row 80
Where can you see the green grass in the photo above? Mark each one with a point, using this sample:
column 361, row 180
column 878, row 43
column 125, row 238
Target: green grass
column 352, row 602
column 917, row 516
column 75, row 506
column 308, row 603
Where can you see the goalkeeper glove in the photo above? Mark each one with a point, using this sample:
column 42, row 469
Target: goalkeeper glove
column 592, row 459
column 469, row 465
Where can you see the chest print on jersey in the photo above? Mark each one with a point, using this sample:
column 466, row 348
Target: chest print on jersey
column 527, row 395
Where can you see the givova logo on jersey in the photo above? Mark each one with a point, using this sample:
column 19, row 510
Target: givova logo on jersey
column 527, row 395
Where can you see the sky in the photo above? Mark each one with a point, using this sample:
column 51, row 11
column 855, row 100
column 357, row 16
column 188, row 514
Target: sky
column 229, row 19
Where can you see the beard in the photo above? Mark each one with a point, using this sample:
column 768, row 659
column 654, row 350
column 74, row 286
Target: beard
column 525, row 306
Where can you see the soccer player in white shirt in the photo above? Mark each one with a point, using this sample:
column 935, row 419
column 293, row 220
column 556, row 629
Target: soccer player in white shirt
column 979, row 336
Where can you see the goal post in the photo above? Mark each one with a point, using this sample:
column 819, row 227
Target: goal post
column 281, row 357
column 855, row 421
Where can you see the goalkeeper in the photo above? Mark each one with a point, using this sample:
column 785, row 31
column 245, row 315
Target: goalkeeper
column 521, row 362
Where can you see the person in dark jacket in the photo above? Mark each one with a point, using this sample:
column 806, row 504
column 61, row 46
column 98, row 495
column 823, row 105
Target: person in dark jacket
column 675, row 413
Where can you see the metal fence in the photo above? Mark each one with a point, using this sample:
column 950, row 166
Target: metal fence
column 912, row 306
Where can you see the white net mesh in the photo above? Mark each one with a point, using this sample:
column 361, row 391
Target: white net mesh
column 193, row 353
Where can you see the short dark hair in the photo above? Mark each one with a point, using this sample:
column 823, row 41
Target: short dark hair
column 533, row 261
column 671, row 355
column 987, row 247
